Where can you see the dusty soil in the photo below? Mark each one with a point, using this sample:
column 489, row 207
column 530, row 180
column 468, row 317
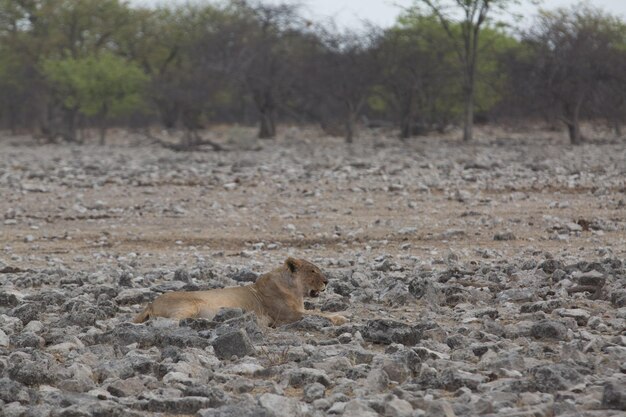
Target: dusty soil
column 309, row 196
column 480, row 279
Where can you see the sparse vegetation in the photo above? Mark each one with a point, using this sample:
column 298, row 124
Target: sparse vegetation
column 66, row 66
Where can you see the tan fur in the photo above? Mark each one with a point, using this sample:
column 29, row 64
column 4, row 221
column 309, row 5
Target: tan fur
column 276, row 297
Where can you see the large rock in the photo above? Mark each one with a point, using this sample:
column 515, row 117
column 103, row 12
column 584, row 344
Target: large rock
column 27, row 312
column 358, row 408
column 548, row 330
column 385, row 331
column 126, row 387
column 554, row 377
column 309, row 323
column 244, row 275
column 614, row 395
column 453, row 379
column 13, row 391
column 235, row 343
column 301, row 376
column 279, row 406
column 313, row 392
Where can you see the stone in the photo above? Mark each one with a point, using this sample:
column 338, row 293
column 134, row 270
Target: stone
column 358, row 408
column 242, row 409
column 312, row 392
column 235, row 343
column 34, row 370
column 385, row 331
column 4, row 339
column 555, row 377
column 581, row 316
column 550, row 265
column 27, row 312
column 614, row 395
column 244, row 275
column 126, row 388
column 452, row 379
column 183, row 405
column 419, row 287
column 14, row 409
column 8, row 299
column 440, row 408
column 280, row 406
column 28, row 339
column 548, row 330
column 618, row 298
column 182, row 275
column 504, row 236
column 226, row 314
column 134, row 296
column 377, row 380
column 301, row 376
column 398, row 408
column 13, row 391
column 309, row 324
column 248, row 322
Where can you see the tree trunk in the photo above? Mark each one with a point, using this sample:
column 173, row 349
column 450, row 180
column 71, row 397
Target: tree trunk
column 169, row 113
column 406, row 124
column 468, row 119
column 103, row 135
column 103, row 124
column 349, row 131
column 572, row 121
column 267, row 128
column 573, row 129
column 70, row 125
column 350, row 127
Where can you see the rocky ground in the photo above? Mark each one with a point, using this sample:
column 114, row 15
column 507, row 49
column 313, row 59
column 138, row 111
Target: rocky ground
column 485, row 279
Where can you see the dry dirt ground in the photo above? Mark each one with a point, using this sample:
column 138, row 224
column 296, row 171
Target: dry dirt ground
column 464, row 268
column 311, row 196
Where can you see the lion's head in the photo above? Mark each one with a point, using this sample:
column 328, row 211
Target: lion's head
column 312, row 280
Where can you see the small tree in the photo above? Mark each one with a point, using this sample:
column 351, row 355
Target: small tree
column 271, row 32
column 469, row 16
column 573, row 66
column 102, row 86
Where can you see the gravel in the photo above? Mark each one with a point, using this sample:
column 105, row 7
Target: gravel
column 478, row 280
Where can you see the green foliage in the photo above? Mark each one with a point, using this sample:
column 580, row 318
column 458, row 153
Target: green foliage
column 104, row 84
column 437, row 49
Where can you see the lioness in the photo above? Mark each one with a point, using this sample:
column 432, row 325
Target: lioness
column 276, row 297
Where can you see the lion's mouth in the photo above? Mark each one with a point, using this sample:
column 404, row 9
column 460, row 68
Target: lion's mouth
column 314, row 293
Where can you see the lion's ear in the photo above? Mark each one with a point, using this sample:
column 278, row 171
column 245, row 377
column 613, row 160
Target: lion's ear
column 291, row 264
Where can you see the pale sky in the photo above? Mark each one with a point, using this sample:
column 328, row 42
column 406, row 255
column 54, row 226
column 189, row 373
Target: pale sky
column 350, row 13
column 384, row 12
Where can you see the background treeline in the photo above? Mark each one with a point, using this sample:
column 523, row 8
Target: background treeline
column 67, row 65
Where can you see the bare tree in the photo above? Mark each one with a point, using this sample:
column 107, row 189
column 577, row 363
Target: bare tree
column 417, row 73
column 339, row 76
column 270, row 35
column 575, row 63
column 465, row 32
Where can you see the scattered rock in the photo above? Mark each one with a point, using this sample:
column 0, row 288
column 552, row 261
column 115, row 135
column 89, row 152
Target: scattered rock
column 314, row 391
column 614, row 395
column 244, row 275
column 279, row 406
column 386, row 331
column 548, row 330
column 235, row 343
column 504, row 236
